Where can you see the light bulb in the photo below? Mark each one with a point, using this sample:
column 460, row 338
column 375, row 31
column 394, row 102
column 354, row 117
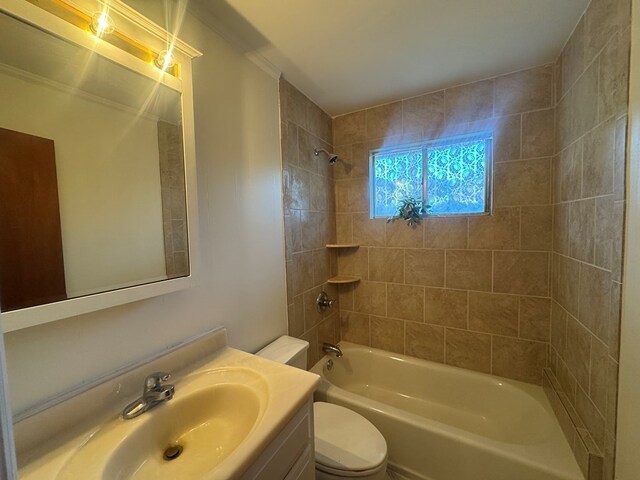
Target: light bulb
column 164, row 60
column 101, row 23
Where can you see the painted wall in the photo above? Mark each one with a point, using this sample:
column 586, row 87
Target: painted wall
column 240, row 281
column 628, row 424
column 108, row 182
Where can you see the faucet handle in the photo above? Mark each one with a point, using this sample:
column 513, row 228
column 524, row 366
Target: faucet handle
column 155, row 380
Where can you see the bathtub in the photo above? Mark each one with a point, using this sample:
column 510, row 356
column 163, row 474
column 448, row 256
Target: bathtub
column 447, row 423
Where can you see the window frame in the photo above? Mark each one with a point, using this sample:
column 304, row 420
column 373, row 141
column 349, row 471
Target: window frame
column 424, row 145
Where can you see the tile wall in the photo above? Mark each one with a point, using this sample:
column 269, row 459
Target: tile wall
column 174, row 199
column 472, row 292
column 588, row 197
column 309, row 218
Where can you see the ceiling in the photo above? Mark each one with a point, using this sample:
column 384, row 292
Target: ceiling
column 350, row 54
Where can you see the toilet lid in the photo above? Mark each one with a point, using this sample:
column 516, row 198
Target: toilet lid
column 346, row 440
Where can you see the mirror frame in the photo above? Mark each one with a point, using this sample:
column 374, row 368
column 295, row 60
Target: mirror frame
column 148, row 34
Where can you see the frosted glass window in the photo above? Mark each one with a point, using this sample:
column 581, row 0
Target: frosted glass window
column 396, row 175
column 451, row 176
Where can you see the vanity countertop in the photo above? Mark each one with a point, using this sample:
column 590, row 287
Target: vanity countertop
column 287, row 390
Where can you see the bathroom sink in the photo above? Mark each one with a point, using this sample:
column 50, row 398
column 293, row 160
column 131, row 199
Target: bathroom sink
column 187, row 437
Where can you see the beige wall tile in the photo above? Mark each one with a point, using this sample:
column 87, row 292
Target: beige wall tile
column 519, row 359
column 354, row 262
column 313, row 356
column 535, row 318
column 312, row 224
column 525, row 273
column 349, row 128
column 328, row 332
column 506, row 139
column 386, row 265
column 573, row 57
column 614, row 320
column 405, row 302
column 424, row 341
column 578, row 351
column 354, row 327
column 352, row 195
column 289, row 143
column 312, row 313
column 618, row 241
column 344, row 228
column 295, row 104
column 368, row 231
column 538, row 134
column 387, row 334
column 359, row 164
column 321, row 266
column 384, row 120
column 498, row 231
column 595, row 300
column 424, row 114
column 446, row 307
column 567, row 277
column 468, row 103
column 603, row 19
column 611, row 394
column 592, row 419
column 300, row 270
column 370, row 297
column 345, row 166
column 620, row 158
column 445, row 232
column 536, row 228
column 297, row 189
column 468, row 269
column 307, row 143
column 493, row 313
column 469, row 350
column 296, row 317
column 399, row 234
column 604, row 232
column 614, row 76
column 321, row 190
column 599, row 372
column 424, row 267
column 345, row 296
column 526, row 182
column 571, row 172
column 598, row 160
column 558, row 330
column 582, row 230
column 523, row 91
column 584, row 103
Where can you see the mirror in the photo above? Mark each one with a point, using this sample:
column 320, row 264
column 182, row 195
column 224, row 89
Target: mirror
column 92, row 177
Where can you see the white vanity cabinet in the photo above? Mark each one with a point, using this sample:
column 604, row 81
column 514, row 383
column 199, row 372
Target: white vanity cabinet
column 290, row 455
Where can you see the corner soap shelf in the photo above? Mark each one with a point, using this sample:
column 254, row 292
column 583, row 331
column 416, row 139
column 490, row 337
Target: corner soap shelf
column 343, row 279
column 342, row 245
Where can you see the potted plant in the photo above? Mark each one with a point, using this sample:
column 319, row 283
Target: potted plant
column 410, row 210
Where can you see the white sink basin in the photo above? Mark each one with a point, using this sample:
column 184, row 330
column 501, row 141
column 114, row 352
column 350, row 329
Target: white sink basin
column 209, row 417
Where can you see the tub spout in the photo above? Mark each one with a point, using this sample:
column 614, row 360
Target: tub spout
column 329, row 348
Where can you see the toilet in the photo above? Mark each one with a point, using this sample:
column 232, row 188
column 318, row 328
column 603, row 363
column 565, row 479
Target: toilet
column 347, row 445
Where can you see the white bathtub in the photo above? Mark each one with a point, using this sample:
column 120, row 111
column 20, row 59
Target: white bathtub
column 446, row 423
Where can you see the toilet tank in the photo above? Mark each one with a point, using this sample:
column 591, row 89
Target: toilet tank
column 288, row 350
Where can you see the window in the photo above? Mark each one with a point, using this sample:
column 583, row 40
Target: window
column 452, row 176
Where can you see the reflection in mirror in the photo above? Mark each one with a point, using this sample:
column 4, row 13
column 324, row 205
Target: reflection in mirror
column 92, row 184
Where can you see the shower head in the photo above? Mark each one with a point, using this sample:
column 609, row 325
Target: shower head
column 333, row 158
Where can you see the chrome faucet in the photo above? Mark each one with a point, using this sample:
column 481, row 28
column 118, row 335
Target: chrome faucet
column 329, row 348
column 154, row 392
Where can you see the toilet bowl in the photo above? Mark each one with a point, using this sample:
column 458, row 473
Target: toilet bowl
column 347, row 445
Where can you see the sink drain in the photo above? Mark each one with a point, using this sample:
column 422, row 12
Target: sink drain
column 172, row 452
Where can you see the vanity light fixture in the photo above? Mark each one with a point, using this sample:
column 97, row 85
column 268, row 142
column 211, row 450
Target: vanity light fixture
column 165, row 61
column 102, row 23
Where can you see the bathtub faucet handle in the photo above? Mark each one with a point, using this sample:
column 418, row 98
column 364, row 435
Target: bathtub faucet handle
column 324, row 302
column 329, row 348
